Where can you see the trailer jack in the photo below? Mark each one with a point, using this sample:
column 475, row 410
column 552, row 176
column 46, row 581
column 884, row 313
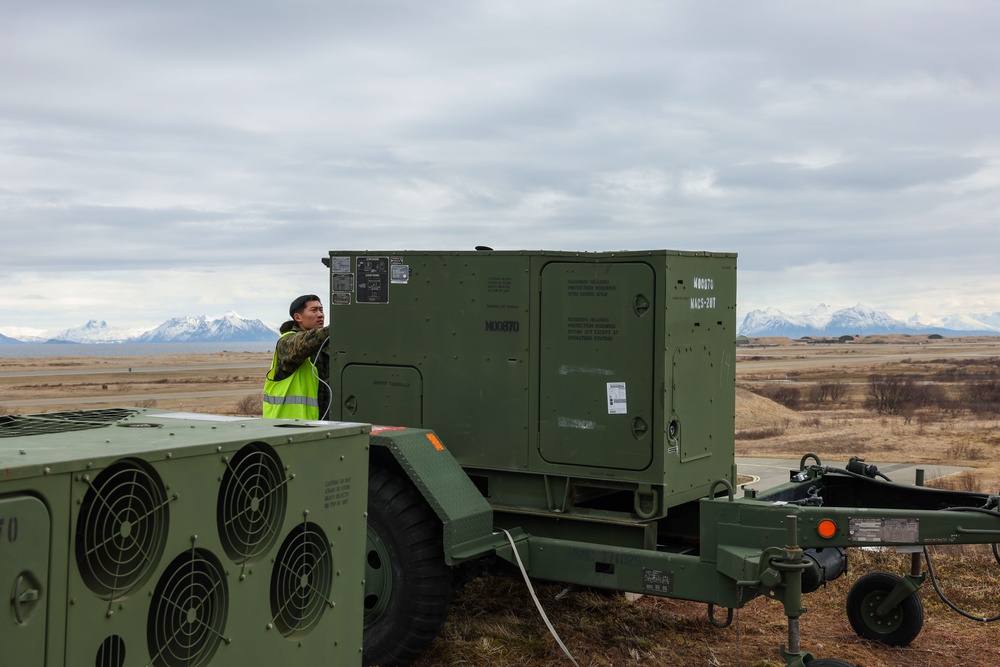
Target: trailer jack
column 791, row 567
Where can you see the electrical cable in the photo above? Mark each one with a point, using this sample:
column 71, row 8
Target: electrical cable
column 990, row 502
column 940, row 593
column 845, row 471
column 329, row 392
column 534, row 597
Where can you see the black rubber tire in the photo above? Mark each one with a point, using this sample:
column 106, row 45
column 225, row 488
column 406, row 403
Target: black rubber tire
column 900, row 627
column 408, row 586
column 829, row 662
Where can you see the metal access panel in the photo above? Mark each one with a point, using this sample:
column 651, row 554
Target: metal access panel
column 371, row 391
column 596, row 364
column 613, row 366
column 24, row 565
column 146, row 537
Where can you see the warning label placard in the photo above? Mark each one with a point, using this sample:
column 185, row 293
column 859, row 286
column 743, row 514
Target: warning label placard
column 617, row 402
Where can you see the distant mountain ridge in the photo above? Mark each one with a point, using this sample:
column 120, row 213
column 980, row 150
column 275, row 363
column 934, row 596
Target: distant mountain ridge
column 860, row 320
column 230, row 328
column 820, row 321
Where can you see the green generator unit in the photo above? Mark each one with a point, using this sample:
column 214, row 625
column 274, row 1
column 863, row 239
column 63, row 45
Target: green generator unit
column 147, row 538
column 572, row 416
column 606, row 377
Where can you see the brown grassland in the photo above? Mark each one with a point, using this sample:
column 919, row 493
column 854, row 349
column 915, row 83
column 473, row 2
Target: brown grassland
column 791, row 399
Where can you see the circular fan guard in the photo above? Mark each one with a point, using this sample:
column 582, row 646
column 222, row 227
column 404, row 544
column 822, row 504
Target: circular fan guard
column 301, row 581
column 188, row 611
column 251, row 506
column 121, row 528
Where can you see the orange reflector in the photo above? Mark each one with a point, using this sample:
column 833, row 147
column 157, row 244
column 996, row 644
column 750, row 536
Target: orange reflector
column 434, row 441
column 826, row 528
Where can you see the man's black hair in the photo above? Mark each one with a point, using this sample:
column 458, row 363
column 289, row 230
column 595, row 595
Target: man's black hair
column 300, row 304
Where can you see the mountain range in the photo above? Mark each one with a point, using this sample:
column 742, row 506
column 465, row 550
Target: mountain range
column 861, row 320
column 821, row 321
column 230, row 328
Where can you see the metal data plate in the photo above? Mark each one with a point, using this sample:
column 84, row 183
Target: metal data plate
column 883, row 530
column 373, row 280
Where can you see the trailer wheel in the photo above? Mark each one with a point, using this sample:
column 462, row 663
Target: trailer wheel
column 407, row 583
column 899, row 627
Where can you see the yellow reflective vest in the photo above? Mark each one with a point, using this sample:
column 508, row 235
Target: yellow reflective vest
column 295, row 397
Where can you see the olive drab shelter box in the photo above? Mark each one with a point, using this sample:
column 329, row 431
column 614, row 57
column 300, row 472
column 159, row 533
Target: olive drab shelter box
column 590, row 365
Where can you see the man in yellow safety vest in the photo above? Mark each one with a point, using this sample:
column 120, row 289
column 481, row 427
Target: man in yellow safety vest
column 295, row 387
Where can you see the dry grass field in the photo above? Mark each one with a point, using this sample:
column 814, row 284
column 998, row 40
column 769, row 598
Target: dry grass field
column 212, row 383
column 793, row 399
column 932, row 405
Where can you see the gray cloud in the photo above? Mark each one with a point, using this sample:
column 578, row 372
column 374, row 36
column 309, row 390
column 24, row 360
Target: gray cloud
column 210, row 153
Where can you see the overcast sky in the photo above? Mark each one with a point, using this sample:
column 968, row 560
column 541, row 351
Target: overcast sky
column 190, row 157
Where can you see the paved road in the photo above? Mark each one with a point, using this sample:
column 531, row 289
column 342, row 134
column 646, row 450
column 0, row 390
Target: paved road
column 128, row 399
column 133, row 371
column 772, row 472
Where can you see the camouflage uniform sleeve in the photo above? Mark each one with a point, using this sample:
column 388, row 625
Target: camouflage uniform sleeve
column 291, row 351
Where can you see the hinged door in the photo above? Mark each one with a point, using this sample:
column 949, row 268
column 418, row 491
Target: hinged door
column 596, row 365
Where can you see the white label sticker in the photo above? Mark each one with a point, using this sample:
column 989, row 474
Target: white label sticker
column 340, row 264
column 617, row 404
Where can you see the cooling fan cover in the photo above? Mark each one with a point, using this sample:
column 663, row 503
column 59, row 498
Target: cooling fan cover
column 301, row 580
column 188, row 613
column 121, row 528
column 251, row 504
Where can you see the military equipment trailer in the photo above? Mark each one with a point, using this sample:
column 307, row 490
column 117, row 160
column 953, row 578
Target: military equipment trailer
column 581, row 409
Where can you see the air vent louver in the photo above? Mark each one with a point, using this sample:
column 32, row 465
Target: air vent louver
column 12, row 426
column 111, row 653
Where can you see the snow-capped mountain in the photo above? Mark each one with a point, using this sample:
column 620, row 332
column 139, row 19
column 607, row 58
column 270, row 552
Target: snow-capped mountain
column 956, row 323
column 7, row 340
column 773, row 322
column 95, row 331
column 865, row 320
column 989, row 319
column 858, row 320
column 25, row 334
column 228, row 328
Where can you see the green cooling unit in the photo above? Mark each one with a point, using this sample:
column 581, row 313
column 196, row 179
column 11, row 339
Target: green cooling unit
column 141, row 537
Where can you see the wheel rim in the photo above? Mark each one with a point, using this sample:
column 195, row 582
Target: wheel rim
column 378, row 577
column 885, row 624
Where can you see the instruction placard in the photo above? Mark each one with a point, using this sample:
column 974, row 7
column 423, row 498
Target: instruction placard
column 617, row 403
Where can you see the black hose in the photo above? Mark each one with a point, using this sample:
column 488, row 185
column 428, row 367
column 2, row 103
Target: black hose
column 856, row 474
column 954, row 607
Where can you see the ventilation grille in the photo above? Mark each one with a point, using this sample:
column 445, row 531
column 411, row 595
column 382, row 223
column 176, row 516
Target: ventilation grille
column 251, row 505
column 111, row 653
column 301, row 581
column 121, row 527
column 188, row 611
column 12, row 426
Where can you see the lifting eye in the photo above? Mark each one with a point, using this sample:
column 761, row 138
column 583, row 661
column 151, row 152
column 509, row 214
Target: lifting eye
column 826, row 528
